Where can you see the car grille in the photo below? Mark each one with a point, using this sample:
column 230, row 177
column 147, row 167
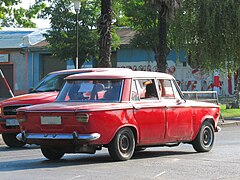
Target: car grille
column 12, row 110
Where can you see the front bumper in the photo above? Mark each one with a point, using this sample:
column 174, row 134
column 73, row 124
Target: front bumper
column 74, row 136
column 9, row 125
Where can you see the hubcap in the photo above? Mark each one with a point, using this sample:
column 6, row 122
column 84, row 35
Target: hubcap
column 207, row 137
column 124, row 143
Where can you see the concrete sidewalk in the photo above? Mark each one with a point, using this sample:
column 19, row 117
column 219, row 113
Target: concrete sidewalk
column 234, row 121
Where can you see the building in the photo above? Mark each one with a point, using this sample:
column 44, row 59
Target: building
column 25, row 59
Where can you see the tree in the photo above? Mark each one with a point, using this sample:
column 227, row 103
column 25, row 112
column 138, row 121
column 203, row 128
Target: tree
column 13, row 16
column 210, row 32
column 165, row 11
column 62, row 36
column 150, row 19
column 104, row 29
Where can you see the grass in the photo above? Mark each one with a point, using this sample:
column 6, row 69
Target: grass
column 227, row 113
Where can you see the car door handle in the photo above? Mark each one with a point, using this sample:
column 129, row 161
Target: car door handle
column 136, row 107
column 168, row 107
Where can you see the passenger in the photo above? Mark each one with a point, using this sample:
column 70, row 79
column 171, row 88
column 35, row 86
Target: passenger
column 150, row 91
column 113, row 92
column 74, row 94
column 97, row 88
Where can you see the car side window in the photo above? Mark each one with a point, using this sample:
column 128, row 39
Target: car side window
column 148, row 90
column 167, row 89
column 175, row 90
column 134, row 92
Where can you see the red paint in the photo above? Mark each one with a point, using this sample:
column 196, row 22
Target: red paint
column 216, row 81
column 38, row 98
column 154, row 122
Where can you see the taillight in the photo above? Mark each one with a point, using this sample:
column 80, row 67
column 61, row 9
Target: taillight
column 83, row 118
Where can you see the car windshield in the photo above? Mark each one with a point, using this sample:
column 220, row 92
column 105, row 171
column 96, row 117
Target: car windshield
column 91, row 90
column 51, row 82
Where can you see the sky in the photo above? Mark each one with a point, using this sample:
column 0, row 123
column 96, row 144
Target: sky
column 41, row 23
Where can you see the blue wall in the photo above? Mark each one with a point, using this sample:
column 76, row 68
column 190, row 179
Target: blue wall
column 33, row 68
column 135, row 55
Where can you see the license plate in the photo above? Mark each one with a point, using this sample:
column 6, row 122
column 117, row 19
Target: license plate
column 51, row 120
column 12, row 122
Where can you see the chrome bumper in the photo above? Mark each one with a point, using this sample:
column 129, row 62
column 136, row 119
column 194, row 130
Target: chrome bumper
column 74, row 136
column 219, row 128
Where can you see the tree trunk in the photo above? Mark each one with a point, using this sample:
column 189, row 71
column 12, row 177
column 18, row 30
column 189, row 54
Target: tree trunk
column 162, row 51
column 104, row 28
column 235, row 104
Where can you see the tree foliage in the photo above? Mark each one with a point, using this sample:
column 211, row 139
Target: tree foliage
column 62, row 35
column 13, row 16
column 209, row 31
column 150, row 20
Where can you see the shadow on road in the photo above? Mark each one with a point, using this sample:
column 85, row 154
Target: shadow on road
column 79, row 159
column 154, row 154
column 26, row 147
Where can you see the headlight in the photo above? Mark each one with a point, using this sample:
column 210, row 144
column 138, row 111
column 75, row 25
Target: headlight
column 82, row 118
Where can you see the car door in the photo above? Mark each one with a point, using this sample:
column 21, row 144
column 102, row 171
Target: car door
column 149, row 111
column 179, row 123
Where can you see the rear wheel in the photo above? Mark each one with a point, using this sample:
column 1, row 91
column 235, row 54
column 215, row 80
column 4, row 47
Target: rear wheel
column 122, row 146
column 11, row 140
column 205, row 138
column 52, row 153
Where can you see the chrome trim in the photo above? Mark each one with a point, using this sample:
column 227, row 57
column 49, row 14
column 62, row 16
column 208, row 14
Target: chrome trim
column 219, row 128
column 74, row 136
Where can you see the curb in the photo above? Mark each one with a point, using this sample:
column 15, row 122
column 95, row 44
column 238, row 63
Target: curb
column 228, row 123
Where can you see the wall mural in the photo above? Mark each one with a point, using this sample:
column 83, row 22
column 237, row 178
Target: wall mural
column 187, row 78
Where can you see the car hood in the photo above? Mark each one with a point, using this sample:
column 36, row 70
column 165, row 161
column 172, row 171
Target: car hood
column 75, row 107
column 34, row 98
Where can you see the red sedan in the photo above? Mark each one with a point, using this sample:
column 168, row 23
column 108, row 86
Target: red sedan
column 123, row 111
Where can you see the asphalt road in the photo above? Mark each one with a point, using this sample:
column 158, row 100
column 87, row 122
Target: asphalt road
column 182, row 162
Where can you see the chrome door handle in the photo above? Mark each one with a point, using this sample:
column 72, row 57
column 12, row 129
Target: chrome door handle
column 136, row 107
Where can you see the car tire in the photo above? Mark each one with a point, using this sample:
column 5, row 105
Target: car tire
column 205, row 138
column 52, row 153
column 11, row 140
column 122, row 147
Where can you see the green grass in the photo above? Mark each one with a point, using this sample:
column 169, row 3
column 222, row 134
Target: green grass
column 227, row 113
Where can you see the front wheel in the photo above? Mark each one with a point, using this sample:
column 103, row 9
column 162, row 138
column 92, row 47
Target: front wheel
column 205, row 138
column 11, row 140
column 121, row 148
column 52, row 153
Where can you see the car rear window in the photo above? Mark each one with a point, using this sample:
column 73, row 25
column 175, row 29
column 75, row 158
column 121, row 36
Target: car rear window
column 91, row 90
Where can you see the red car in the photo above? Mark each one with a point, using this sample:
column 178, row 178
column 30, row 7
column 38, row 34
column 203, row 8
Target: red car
column 123, row 112
column 46, row 91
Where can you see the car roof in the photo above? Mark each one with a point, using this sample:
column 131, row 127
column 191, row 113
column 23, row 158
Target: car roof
column 119, row 75
column 88, row 70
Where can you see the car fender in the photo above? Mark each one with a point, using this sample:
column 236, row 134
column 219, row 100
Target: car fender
column 197, row 127
column 132, row 127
